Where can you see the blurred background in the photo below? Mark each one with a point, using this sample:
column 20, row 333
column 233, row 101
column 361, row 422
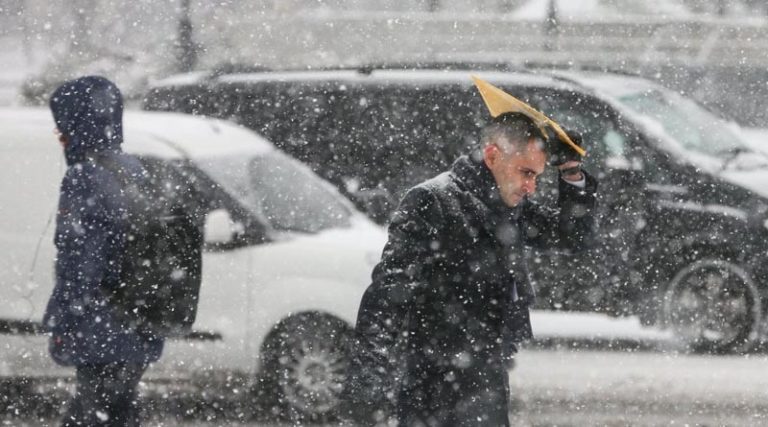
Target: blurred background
column 712, row 50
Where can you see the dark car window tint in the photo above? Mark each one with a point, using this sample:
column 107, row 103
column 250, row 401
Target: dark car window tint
column 301, row 119
column 292, row 198
column 606, row 144
column 406, row 134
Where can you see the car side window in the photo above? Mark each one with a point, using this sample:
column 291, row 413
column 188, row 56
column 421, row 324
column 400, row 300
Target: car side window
column 415, row 130
column 185, row 187
column 172, row 184
column 607, row 145
column 614, row 143
column 292, row 115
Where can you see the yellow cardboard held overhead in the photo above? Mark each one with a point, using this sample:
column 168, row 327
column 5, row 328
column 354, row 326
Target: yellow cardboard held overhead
column 500, row 102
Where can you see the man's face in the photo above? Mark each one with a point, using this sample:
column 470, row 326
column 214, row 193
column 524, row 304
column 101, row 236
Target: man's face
column 515, row 169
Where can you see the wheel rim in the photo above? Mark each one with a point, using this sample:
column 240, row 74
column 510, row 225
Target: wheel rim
column 712, row 305
column 313, row 369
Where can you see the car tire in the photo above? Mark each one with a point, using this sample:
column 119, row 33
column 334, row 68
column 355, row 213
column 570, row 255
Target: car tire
column 712, row 305
column 305, row 365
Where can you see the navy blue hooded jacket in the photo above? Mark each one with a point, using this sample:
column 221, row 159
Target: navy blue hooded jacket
column 91, row 230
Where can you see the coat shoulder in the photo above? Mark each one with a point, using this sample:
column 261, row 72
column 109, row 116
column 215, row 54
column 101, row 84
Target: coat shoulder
column 443, row 188
column 443, row 202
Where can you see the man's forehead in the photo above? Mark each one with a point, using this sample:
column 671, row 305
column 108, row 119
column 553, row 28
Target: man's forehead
column 534, row 162
column 532, row 145
column 531, row 155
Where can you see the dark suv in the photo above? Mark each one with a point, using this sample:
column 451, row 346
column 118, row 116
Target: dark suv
column 683, row 204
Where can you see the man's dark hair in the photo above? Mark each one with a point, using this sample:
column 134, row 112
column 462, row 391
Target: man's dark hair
column 516, row 129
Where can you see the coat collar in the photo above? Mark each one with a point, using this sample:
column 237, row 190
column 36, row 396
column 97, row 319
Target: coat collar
column 475, row 177
column 501, row 222
column 476, row 180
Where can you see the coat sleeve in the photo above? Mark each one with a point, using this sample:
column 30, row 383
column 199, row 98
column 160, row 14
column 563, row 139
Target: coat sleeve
column 84, row 243
column 406, row 264
column 572, row 225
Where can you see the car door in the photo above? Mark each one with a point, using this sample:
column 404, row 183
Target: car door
column 220, row 333
column 602, row 277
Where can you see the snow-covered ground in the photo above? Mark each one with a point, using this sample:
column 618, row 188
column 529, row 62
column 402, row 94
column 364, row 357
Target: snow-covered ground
column 565, row 386
column 16, row 359
column 550, row 324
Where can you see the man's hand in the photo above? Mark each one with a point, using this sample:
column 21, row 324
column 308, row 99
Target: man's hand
column 571, row 171
column 561, row 153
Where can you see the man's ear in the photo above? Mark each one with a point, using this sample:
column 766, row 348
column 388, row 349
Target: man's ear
column 491, row 154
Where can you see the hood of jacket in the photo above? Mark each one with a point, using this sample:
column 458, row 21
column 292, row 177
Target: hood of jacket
column 88, row 111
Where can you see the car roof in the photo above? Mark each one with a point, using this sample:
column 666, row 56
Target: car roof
column 614, row 85
column 395, row 76
column 193, row 136
column 163, row 135
column 605, row 84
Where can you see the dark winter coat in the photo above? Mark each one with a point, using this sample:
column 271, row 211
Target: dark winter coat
column 91, row 231
column 450, row 297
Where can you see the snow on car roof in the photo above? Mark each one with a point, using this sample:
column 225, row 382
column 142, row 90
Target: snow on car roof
column 463, row 77
column 611, row 84
column 414, row 76
column 404, row 76
column 164, row 135
column 181, row 79
column 23, row 118
column 193, row 137
column 291, row 76
column 36, row 125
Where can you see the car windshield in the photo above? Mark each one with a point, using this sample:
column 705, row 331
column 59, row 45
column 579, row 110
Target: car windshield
column 280, row 191
column 695, row 128
column 293, row 198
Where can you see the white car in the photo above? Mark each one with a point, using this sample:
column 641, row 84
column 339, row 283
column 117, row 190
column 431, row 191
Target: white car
column 287, row 260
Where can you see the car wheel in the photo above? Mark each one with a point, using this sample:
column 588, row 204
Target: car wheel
column 712, row 305
column 305, row 363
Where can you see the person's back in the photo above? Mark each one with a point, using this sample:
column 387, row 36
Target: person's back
column 87, row 332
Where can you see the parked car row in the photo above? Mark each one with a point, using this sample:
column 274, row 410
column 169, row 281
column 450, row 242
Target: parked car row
column 287, row 257
column 684, row 211
column 683, row 204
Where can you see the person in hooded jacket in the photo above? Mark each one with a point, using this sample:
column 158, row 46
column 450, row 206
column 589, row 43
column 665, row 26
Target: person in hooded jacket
column 88, row 332
column 449, row 299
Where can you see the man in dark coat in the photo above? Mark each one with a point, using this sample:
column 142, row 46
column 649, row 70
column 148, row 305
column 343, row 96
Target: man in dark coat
column 88, row 332
column 449, row 299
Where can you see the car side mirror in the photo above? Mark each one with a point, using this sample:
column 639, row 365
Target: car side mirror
column 219, row 229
